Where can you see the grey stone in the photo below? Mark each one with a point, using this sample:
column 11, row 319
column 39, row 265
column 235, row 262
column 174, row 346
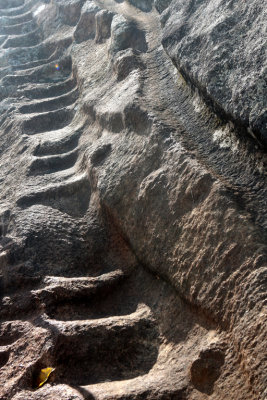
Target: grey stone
column 144, row 5
column 69, row 11
column 86, row 26
column 161, row 5
column 125, row 62
column 219, row 48
column 125, row 34
column 132, row 217
column 103, row 25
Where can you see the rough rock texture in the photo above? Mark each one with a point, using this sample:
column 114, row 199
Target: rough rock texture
column 220, row 47
column 133, row 218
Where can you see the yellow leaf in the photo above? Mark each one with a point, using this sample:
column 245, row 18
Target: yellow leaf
column 44, row 375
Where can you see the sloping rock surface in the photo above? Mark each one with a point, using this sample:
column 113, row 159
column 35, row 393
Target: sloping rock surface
column 133, row 218
column 220, row 47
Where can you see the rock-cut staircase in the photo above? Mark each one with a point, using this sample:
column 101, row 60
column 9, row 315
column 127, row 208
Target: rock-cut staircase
column 111, row 329
column 98, row 330
column 108, row 335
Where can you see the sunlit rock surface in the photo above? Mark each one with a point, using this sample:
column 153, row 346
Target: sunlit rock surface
column 133, row 201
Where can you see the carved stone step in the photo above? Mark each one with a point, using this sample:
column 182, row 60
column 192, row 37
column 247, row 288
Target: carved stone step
column 41, row 54
column 52, row 120
column 55, row 291
column 41, row 74
column 61, row 196
column 139, row 388
column 50, row 104
column 65, row 141
column 17, row 7
column 52, row 52
column 26, row 40
column 118, row 347
column 15, row 19
column 52, row 164
column 104, row 303
column 42, row 91
column 61, row 289
column 6, row 4
column 19, row 29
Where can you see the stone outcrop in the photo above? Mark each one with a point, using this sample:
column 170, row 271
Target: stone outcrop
column 133, row 203
column 219, row 47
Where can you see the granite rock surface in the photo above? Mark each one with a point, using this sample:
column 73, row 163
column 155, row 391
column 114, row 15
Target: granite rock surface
column 220, row 47
column 132, row 206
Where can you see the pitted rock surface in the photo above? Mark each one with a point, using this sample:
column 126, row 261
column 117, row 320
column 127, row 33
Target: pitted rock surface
column 133, row 207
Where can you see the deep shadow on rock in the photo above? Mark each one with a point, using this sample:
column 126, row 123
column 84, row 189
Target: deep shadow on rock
column 206, row 370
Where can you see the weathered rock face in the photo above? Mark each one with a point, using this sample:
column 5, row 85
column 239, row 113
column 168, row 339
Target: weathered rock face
column 219, row 47
column 133, row 219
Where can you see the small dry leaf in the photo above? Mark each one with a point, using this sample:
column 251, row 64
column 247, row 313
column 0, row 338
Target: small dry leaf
column 44, row 375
